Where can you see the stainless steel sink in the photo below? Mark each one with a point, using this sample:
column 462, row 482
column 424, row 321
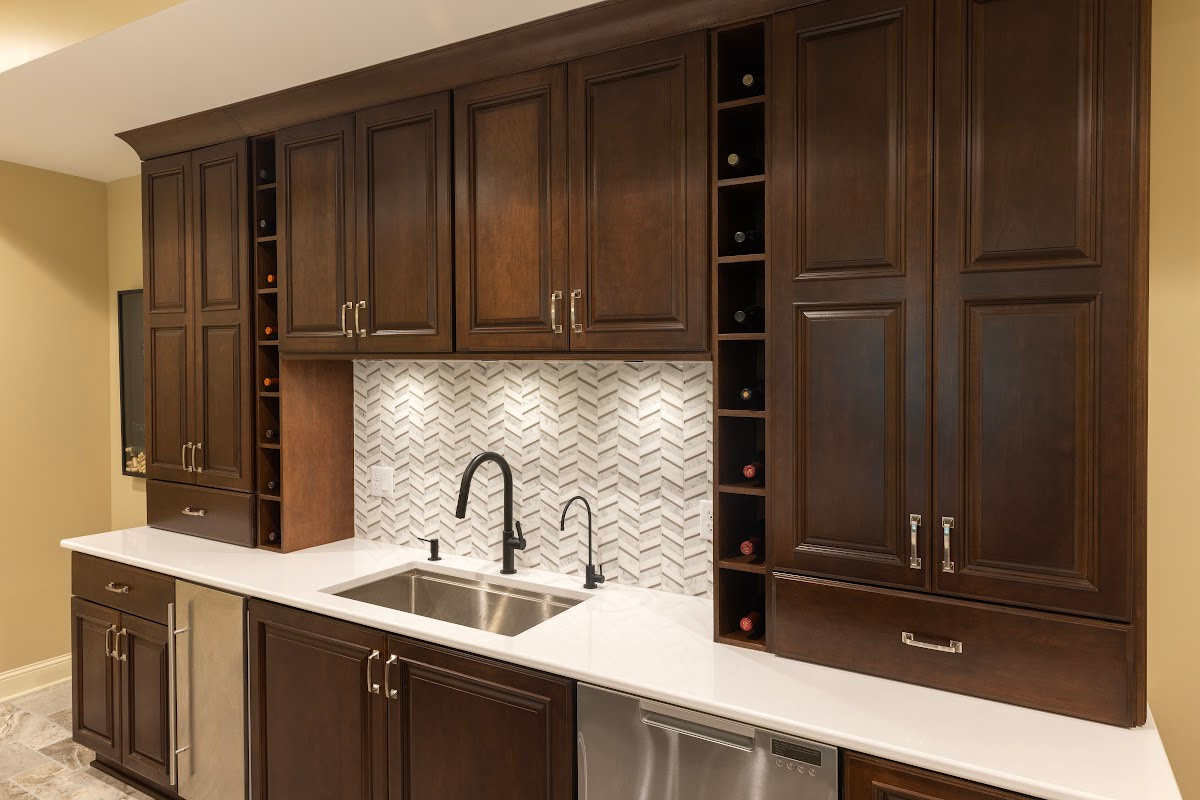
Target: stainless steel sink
column 477, row 604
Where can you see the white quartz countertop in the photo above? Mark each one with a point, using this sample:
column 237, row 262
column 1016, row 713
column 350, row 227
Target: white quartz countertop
column 659, row 645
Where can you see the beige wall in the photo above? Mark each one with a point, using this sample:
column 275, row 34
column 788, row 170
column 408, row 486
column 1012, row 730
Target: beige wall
column 128, row 495
column 1175, row 384
column 54, row 402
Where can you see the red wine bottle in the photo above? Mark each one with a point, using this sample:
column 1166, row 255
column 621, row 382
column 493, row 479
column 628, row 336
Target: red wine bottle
column 751, row 624
column 269, row 332
column 754, row 471
column 753, row 396
column 751, row 546
column 271, row 384
column 270, row 280
column 750, row 317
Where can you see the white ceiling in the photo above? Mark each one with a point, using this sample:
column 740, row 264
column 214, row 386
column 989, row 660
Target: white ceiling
column 60, row 112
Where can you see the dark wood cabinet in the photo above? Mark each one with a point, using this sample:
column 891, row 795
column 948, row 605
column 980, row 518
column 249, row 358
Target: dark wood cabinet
column 198, row 310
column 318, row 724
column 145, row 698
column 869, row 778
column 509, row 732
column 316, row 203
column 639, row 198
column 850, row 338
column 95, row 690
column 510, row 171
column 404, row 248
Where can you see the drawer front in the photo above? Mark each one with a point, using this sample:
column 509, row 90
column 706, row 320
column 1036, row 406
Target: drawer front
column 1027, row 658
column 197, row 511
column 868, row 778
column 120, row 586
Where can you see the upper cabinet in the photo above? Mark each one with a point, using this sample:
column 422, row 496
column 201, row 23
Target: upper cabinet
column 639, row 198
column 198, row 384
column 510, row 150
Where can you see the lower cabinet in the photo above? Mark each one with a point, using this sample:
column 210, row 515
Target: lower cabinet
column 121, row 689
column 869, row 778
column 342, row 711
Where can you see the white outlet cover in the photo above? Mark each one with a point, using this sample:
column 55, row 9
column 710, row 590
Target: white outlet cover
column 706, row 513
column 383, row 482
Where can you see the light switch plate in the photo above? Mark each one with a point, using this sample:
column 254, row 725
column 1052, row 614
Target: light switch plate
column 383, row 482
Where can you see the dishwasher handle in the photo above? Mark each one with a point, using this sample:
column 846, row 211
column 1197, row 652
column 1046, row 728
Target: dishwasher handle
column 698, row 726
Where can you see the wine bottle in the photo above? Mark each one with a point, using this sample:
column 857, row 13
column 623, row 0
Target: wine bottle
column 266, row 227
column 744, row 165
column 266, row 175
column 750, row 317
column 271, row 280
column 272, row 537
column 749, row 241
column 750, row 84
column 269, row 332
column 271, row 384
column 271, row 434
column 751, row 624
column 751, row 546
column 272, row 486
column 754, row 471
column 753, row 396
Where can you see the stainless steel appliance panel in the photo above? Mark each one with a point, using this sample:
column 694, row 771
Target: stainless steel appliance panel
column 635, row 749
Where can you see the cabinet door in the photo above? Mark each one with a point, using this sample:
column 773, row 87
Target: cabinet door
column 850, row 277
column 166, row 253
column 221, row 288
column 508, row 732
column 1040, row 308
column 145, row 698
column 404, row 227
column 639, row 197
column 510, row 171
column 317, row 718
column 868, row 778
column 315, row 166
column 94, row 690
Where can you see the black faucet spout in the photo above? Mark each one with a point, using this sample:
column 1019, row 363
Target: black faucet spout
column 514, row 537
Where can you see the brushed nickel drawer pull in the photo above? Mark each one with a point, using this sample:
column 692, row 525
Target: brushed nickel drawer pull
column 914, row 522
column 947, row 524
column 194, row 512
column 372, row 688
column 117, row 588
column 555, row 299
column 912, row 641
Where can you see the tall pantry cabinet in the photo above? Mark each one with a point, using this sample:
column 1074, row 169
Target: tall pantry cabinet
column 960, row 362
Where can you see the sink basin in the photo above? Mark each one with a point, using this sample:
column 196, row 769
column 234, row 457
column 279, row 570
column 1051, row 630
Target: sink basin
column 491, row 607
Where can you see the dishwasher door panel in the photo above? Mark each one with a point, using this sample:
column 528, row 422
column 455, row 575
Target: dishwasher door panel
column 634, row 749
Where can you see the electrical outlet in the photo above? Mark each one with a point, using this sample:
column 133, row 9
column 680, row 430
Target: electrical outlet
column 706, row 513
column 383, row 482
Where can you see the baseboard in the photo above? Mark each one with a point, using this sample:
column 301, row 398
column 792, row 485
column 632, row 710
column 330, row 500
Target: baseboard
column 23, row 680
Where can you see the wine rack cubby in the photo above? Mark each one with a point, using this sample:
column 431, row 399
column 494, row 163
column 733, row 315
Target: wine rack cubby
column 740, row 246
column 266, row 321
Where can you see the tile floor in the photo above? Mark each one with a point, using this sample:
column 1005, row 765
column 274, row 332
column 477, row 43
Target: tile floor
column 38, row 760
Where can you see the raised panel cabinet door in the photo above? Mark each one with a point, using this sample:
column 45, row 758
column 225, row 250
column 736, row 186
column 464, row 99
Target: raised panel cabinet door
column 405, row 258
column 145, row 699
column 315, row 223
column 96, row 714
column 1040, row 281
column 869, row 778
column 318, row 727
column 639, row 198
column 462, row 727
column 850, row 278
column 222, row 318
column 510, row 214
column 169, row 302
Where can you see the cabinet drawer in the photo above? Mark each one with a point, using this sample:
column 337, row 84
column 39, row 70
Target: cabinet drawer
column 134, row 591
column 869, row 778
column 1027, row 658
column 209, row 513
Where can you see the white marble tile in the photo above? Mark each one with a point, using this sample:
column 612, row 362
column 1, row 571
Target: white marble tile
column 45, row 702
column 17, row 758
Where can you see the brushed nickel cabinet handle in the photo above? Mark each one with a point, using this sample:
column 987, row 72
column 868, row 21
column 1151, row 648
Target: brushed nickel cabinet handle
column 576, row 294
column 909, row 639
column 195, row 447
column 914, row 522
column 555, row 299
column 346, row 331
column 172, row 663
column 372, row 688
column 183, row 458
column 124, row 634
column 117, row 588
column 361, row 305
column 194, row 512
column 388, row 691
column 947, row 563
column 108, row 641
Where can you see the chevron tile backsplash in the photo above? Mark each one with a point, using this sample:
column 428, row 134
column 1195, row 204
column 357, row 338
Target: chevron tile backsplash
column 634, row 438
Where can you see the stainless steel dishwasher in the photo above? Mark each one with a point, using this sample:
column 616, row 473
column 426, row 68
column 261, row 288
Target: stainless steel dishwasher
column 635, row 749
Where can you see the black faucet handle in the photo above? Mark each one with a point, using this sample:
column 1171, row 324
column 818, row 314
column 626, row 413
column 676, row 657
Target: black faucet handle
column 518, row 541
column 434, row 545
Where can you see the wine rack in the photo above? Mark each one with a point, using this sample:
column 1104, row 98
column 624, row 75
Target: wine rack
column 739, row 173
column 266, row 321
